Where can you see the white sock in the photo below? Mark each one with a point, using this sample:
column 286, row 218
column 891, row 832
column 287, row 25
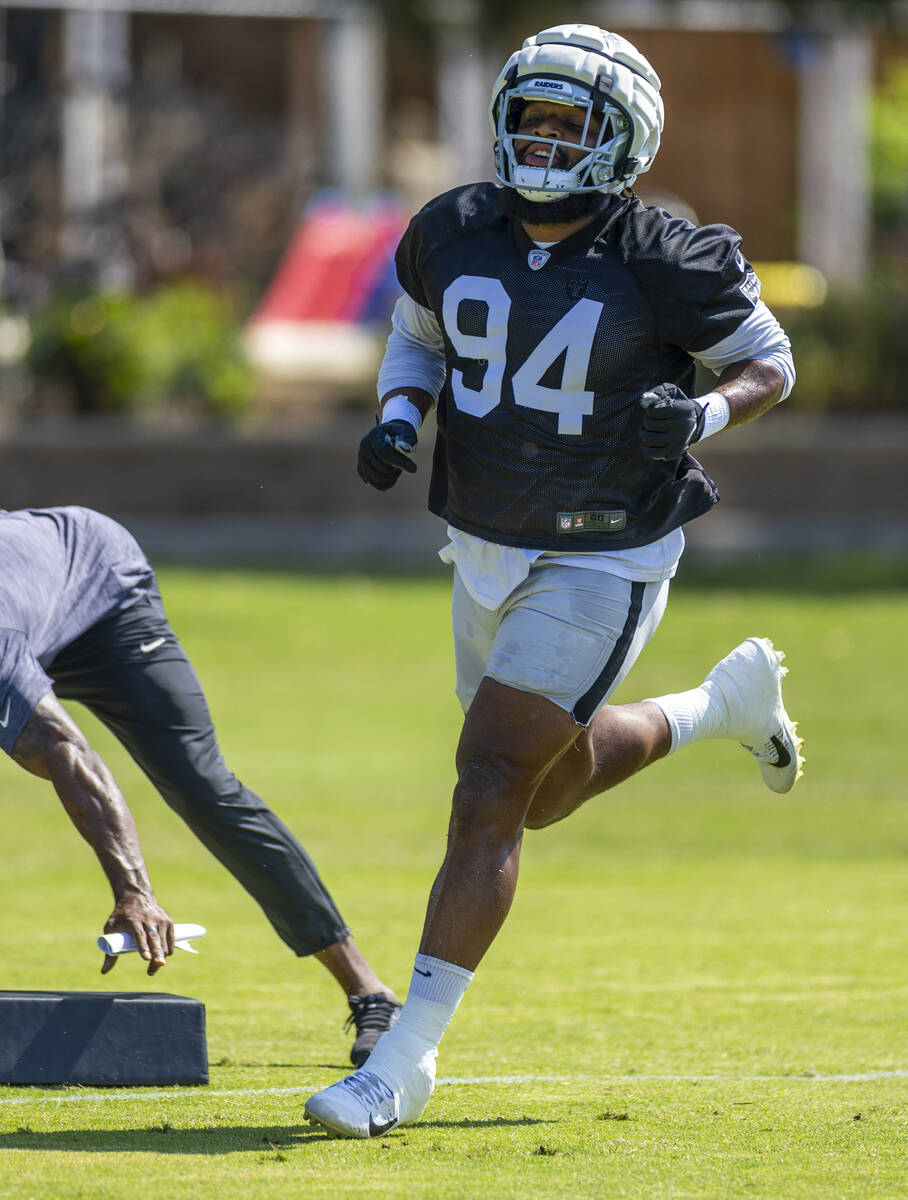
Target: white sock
column 436, row 989
column 694, row 715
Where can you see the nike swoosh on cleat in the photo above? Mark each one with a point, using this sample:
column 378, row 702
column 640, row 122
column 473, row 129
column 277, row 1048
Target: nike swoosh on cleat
column 4, row 720
column 147, row 647
column 377, row 1128
column 781, row 749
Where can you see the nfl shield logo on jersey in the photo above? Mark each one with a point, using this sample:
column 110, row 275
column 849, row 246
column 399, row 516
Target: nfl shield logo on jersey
column 538, row 258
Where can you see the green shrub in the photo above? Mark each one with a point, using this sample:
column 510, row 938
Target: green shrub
column 852, row 352
column 889, row 149
column 178, row 346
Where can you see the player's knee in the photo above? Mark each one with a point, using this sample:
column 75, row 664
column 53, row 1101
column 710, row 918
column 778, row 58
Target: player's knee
column 207, row 796
column 490, row 799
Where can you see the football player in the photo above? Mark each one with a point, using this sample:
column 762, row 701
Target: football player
column 81, row 619
column 555, row 324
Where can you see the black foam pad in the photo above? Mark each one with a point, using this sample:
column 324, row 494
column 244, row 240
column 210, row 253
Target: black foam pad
column 102, row 1038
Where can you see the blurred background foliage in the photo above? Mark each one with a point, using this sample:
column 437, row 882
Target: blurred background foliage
column 889, row 152
column 179, row 346
column 851, row 352
column 212, row 204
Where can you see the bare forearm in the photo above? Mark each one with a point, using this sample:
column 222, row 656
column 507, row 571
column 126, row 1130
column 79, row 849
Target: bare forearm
column 52, row 747
column 751, row 388
column 99, row 812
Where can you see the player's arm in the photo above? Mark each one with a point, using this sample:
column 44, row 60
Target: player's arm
column 409, row 380
column 755, row 371
column 750, row 388
column 53, row 747
column 754, row 364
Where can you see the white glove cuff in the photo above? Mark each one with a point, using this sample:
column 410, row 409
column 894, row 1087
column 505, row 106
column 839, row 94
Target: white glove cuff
column 399, row 408
column 717, row 412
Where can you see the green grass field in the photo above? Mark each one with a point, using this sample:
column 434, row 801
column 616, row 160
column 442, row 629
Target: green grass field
column 701, row 990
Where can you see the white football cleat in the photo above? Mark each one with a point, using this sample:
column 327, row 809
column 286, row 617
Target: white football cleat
column 750, row 681
column 366, row 1104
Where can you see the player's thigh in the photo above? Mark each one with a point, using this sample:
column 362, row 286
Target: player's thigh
column 516, row 727
column 571, row 635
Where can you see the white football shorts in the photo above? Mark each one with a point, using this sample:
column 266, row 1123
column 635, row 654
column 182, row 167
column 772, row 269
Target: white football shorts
column 567, row 633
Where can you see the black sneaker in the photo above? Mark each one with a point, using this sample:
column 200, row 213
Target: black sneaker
column 372, row 1016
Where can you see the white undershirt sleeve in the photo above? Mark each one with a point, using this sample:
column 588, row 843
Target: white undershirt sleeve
column 415, row 353
column 759, row 337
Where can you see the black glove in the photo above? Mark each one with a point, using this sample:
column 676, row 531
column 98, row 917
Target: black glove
column 383, row 454
column 671, row 422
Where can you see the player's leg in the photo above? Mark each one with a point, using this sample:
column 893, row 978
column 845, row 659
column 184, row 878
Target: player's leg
column 740, row 699
column 509, row 740
column 568, row 637
column 536, row 647
column 561, row 642
column 620, row 740
column 132, row 672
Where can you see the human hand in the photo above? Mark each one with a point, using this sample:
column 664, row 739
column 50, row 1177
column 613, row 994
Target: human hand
column 148, row 923
column 671, row 422
column 384, row 453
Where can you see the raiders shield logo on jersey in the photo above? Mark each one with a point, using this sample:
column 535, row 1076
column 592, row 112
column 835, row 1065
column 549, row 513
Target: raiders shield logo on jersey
column 538, row 258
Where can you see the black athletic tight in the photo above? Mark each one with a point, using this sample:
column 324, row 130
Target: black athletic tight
column 132, row 673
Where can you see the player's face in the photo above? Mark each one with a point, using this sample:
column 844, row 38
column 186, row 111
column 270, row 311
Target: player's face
column 549, row 120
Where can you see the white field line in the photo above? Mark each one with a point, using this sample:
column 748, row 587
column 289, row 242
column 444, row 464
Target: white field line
column 205, row 1093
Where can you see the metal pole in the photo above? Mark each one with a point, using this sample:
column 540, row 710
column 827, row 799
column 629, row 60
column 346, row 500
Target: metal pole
column 94, row 162
column 466, row 72
column 834, row 192
column 353, row 99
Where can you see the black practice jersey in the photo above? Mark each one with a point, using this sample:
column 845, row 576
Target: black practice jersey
column 548, row 354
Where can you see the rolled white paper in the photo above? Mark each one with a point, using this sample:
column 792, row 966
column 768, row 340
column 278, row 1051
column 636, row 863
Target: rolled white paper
column 124, row 943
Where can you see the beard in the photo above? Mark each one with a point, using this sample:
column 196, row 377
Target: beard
column 562, row 211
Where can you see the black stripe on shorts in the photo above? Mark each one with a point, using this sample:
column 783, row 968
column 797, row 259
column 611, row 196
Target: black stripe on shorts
column 590, row 700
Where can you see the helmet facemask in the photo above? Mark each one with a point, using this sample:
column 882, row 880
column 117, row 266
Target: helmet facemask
column 603, row 168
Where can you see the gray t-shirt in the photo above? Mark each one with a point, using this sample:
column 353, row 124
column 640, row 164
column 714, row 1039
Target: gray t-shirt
column 62, row 570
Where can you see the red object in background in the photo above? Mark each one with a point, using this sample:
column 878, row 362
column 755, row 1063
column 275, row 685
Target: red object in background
column 333, row 265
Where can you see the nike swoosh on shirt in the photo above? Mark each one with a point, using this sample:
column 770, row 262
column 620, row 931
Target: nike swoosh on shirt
column 147, row 647
column 4, row 720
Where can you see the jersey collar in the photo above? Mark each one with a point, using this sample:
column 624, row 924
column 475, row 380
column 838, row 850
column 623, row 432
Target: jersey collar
column 578, row 242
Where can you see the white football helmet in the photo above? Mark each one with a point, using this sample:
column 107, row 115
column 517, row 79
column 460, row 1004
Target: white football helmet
column 588, row 67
